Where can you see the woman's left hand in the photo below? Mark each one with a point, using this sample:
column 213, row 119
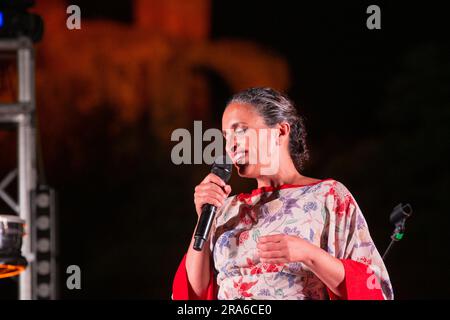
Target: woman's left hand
column 282, row 248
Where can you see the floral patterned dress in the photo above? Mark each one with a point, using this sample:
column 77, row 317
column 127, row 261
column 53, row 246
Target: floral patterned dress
column 323, row 213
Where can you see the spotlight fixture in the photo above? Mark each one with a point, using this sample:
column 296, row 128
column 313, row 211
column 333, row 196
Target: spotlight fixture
column 16, row 21
column 11, row 232
column 44, row 275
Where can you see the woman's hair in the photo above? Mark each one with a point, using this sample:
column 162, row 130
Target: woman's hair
column 275, row 108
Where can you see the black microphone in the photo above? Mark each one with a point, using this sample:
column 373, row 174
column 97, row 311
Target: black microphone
column 222, row 168
column 400, row 213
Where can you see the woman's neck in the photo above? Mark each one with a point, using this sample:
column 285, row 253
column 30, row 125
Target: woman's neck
column 285, row 175
column 277, row 181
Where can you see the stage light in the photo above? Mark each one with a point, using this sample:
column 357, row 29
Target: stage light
column 16, row 21
column 43, row 245
column 45, row 240
column 11, row 232
column 43, row 223
column 43, row 291
column 44, row 268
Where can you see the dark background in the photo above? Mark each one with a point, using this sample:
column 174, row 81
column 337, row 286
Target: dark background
column 377, row 110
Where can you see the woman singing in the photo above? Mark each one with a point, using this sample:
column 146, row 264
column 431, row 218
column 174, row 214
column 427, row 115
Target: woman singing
column 293, row 237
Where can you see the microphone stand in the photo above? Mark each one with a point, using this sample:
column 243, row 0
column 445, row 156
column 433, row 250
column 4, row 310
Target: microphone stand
column 398, row 217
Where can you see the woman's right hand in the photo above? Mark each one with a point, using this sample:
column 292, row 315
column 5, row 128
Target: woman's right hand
column 212, row 190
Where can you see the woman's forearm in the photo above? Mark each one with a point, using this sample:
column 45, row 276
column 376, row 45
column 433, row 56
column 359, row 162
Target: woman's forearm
column 198, row 268
column 282, row 248
column 327, row 268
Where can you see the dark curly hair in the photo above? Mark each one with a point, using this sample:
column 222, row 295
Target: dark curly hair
column 275, row 108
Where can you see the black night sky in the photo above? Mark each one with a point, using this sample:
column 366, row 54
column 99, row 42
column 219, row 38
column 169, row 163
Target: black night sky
column 377, row 110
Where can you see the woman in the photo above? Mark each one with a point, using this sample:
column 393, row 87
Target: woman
column 294, row 237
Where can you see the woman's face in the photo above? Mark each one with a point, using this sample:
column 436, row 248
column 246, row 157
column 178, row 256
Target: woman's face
column 250, row 143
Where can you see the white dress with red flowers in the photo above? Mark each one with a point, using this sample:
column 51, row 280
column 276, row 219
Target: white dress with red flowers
column 324, row 213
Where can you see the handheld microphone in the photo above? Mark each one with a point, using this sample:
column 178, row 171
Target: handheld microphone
column 222, row 168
